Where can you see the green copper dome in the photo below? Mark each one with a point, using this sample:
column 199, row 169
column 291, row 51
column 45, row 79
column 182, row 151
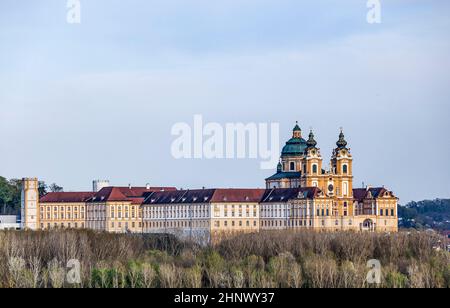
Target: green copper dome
column 295, row 146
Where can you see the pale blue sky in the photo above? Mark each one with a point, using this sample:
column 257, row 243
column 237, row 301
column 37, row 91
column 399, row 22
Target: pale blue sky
column 98, row 100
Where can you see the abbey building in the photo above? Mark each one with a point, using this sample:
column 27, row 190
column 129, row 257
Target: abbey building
column 301, row 195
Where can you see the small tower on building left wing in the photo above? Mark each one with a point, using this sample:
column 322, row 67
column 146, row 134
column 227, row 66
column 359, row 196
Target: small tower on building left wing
column 30, row 204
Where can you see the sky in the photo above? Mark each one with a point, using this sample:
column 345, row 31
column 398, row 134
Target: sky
column 98, row 100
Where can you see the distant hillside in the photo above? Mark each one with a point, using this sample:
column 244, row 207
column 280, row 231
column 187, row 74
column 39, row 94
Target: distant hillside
column 425, row 214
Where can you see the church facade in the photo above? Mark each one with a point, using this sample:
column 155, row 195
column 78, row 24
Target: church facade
column 301, row 166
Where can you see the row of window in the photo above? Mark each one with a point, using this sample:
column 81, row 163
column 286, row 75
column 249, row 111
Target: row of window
column 299, row 223
column 125, row 209
column 160, row 213
column 240, row 223
column 125, row 215
column 315, row 168
column 63, row 216
column 126, row 225
column 112, row 208
column 386, row 212
column 233, row 213
column 372, row 211
column 62, row 225
column 176, row 224
column 48, row 209
column 101, row 213
column 184, row 207
column 284, row 223
column 297, row 212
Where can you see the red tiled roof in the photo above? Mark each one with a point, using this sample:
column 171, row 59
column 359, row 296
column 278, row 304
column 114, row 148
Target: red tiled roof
column 237, row 195
column 137, row 201
column 360, row 194
column 66, row 197
column 110, row 194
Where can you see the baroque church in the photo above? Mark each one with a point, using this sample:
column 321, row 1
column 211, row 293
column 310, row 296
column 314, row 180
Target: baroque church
column 301, row 166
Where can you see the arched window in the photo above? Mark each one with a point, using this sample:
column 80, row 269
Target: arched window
column 345, row 188
column 344, row 169
column 292, row 166
column 314, row 169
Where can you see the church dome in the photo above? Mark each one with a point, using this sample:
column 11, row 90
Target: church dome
column 295, row 146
